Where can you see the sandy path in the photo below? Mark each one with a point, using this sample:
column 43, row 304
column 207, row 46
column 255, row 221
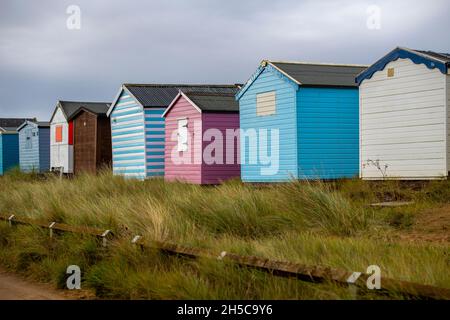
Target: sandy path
column 431, row 225
column 13, row 287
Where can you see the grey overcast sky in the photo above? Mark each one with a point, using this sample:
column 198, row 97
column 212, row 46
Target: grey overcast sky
column 190, row 41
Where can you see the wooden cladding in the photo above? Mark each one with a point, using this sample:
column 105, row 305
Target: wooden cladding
column 92, row 142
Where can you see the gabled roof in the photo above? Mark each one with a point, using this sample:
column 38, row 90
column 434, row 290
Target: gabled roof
column 310, row 74
column 11, row 124
column 208, row 102
column 320, row 74
column 99, row 110
column 430, row 59
column 70, row 107
column 211, row 102
column 40, row 124
column 161, row 95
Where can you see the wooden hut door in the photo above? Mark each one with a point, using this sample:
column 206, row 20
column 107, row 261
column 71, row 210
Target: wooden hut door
column 85, row 142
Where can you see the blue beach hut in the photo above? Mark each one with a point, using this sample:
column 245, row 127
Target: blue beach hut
column 9, row 144
column 34, row 146
column 299, row 121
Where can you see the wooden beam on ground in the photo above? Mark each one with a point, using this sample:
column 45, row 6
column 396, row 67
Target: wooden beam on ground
column 303, row 272
column 279, row 268
column 55, row 226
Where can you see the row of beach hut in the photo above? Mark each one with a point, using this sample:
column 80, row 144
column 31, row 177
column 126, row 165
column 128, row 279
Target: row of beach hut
column 290, row 120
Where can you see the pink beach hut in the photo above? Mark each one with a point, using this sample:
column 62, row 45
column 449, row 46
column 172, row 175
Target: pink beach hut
column 202, row 138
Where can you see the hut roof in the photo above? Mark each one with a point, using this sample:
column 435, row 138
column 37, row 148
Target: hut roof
column 99, row 110
column 71, row 107
column 11, row 124
column 310, row 74
column 161, row 95
column 208, row 102
column 40, row 124
column 430, row 59
column 320, row 74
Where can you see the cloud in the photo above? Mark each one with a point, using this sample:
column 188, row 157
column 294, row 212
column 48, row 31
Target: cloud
column 188, row 41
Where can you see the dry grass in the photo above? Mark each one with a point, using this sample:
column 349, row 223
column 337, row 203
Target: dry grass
column 308, row 222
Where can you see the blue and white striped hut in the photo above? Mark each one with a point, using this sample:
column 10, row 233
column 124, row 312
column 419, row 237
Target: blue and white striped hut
column 138, row 129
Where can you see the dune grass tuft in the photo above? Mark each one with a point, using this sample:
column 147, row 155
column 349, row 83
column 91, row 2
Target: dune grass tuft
column 309, row 222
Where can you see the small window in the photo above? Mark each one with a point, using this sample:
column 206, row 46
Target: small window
column 182, row 135
column 59, row 133
column 390, row 72
column 265, row 103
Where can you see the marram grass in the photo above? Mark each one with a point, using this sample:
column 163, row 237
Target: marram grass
column 314, row 223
